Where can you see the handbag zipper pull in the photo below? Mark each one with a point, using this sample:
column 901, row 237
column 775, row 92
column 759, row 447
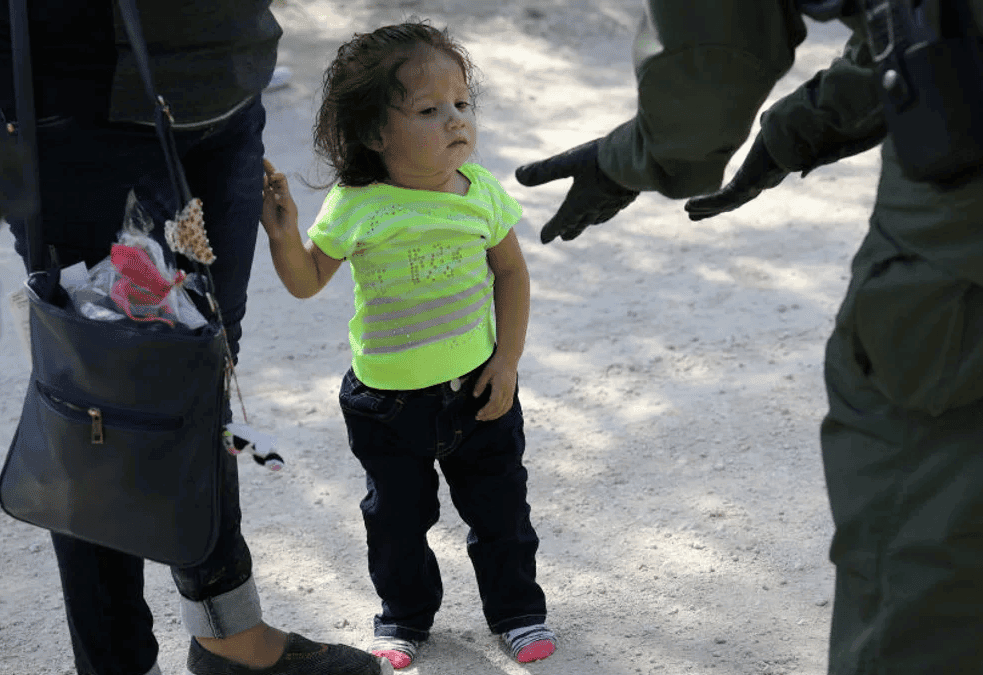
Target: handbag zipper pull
column 97, row 437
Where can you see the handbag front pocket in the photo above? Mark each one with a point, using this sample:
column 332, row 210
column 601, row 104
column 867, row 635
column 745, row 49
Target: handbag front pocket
column 133, row 480
column 100, row 418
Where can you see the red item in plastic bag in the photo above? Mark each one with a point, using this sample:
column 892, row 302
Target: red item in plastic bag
column 141, row 284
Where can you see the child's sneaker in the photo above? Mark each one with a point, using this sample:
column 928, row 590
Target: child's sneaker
column 530, row 643
column 399, row 652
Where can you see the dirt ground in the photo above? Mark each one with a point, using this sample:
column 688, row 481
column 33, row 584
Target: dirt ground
column 671, row 385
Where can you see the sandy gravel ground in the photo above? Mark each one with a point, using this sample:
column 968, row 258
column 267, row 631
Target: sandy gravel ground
column 671, row 385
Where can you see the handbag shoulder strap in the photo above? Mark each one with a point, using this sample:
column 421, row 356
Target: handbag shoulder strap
column 27, row 124
column 162, row 113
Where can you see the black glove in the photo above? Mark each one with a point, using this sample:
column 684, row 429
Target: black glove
column 593, row 198
column 758, row 172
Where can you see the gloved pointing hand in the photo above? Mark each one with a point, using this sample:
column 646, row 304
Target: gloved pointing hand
column 758, row 172
column 593, row 198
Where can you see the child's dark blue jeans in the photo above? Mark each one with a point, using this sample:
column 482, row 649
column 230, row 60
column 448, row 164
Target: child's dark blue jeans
column 398, row 436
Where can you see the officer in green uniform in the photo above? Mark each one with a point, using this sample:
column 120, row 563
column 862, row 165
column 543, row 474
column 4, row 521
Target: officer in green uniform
column 903, row 439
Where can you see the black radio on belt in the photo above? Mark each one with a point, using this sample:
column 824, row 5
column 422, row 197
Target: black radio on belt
column 931, row 81
column 931, row 84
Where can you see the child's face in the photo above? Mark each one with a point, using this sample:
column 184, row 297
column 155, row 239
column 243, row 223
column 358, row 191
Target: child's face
column 431, row 132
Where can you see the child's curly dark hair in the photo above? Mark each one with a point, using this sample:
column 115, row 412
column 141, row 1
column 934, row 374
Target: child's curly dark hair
column 361, row 85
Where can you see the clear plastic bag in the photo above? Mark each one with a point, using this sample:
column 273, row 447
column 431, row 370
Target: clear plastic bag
column 135, row 282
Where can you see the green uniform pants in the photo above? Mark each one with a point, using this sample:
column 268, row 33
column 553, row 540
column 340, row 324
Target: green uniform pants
column 903, row 455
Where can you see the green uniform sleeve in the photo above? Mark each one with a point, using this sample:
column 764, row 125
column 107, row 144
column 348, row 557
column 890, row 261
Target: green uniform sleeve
column 704, row 68
column 837, row 113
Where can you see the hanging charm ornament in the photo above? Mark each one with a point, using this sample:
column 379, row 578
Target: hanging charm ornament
column 186, row 235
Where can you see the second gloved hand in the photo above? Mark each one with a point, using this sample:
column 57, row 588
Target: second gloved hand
column 758, row 172
column 593, row 198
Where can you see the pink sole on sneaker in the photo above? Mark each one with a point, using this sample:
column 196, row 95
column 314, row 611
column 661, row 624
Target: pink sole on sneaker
column 401, row 660
column 536, row 651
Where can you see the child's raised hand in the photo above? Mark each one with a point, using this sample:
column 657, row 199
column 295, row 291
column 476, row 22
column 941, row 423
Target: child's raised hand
column 279, row 213
column 501, row 377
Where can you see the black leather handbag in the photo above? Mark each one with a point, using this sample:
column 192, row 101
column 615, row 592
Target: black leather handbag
column 119, row 442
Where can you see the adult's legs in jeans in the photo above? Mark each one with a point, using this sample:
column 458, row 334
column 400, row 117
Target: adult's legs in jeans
column 108, row 620
column 87, row 169
column 86, row 172
column 219, row 601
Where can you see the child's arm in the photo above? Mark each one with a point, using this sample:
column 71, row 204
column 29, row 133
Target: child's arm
column 303, row 270
column 511, row 318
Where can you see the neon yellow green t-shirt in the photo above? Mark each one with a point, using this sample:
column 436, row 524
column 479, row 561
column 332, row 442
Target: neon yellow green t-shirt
column 423, row 288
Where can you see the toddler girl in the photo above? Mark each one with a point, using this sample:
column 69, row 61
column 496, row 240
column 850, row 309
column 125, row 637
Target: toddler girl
column 441, row 308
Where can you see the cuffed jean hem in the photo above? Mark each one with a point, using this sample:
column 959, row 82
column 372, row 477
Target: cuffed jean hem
column 224, row 615
column 154, row 671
